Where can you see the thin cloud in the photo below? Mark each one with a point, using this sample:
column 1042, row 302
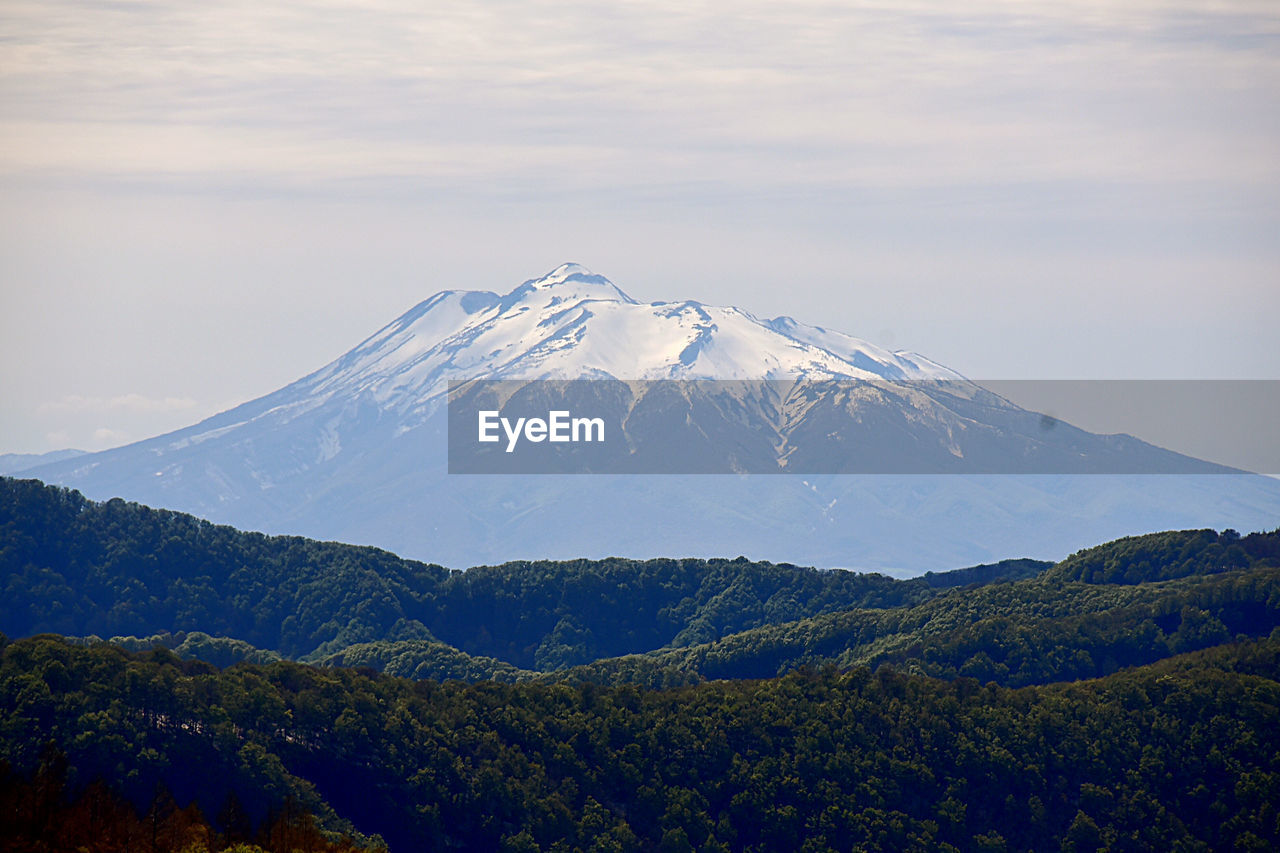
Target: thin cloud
column 105, row 437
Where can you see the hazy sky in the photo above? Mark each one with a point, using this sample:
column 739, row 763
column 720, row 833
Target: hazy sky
column 200, row 202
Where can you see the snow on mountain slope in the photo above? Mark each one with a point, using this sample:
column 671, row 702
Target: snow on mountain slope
column 567, row 324
column 572, row 323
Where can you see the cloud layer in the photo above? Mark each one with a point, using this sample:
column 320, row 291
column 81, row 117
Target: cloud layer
column 548, row 96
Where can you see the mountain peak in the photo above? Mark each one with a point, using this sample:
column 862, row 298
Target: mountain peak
column 564, row 271
column 569, row 280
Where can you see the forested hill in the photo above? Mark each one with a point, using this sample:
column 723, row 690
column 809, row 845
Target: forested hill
column 152, row 577
column 1126, row 698
column 77, row 567
column 1179, row 755
column 1163, row 556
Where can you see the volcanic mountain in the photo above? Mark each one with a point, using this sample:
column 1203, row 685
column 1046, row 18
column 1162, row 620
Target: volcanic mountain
column 356, row 450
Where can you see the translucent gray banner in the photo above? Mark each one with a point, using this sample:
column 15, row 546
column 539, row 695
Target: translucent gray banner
column 854, row 426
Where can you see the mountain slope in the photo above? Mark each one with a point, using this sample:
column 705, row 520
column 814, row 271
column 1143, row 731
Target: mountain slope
column 1033, row 632
column 356, row 451
column 77, row 567
column 1178, row 755
column 154, row 577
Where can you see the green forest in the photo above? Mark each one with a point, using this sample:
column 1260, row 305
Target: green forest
column 170, row 684
column 1180, row 755
column 115, row 569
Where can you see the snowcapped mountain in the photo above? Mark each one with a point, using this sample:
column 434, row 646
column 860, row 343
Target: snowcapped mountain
column 573, row 324
column 356, row 450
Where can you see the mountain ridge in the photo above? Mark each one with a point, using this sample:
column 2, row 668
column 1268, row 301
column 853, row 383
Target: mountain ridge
column 74, row 566
column 147, row 577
